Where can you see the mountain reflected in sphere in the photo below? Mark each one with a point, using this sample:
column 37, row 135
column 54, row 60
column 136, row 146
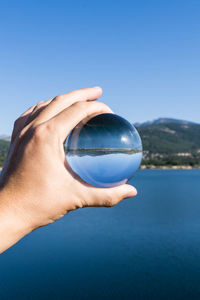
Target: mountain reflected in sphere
column 106, row 151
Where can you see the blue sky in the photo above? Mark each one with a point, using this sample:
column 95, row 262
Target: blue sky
column 144, row 54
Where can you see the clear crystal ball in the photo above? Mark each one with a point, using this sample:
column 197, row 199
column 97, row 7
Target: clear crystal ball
column 105, row 151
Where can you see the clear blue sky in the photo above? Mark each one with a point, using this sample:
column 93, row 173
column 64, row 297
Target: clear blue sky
column 145, row 54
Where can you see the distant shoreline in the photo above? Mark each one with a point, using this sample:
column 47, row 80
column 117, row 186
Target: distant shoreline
column 101, row 151
column 152, row 167
column 181, row 167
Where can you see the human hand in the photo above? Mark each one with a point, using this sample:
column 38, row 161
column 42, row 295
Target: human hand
column 37, row 186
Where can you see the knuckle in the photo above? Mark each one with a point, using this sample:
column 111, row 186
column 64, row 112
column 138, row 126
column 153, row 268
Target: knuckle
column 31, row 107
column 39, row 104
column 81, row 105
column 49, row 127
column 17, row 121
column 39, row 132
column 108, row 202
column 22, row 132
column 59, row 97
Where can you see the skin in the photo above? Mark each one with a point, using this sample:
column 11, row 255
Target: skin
column 36, row 185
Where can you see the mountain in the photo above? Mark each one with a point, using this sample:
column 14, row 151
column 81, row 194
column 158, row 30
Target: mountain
column 166, row 142
column 164, row 121
column 171, row 144
column 170, row 138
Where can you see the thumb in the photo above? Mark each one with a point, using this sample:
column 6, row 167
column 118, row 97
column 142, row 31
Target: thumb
column 109, row 197
column 124, row 191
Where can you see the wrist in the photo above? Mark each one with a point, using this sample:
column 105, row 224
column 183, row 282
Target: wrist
column 14, row 223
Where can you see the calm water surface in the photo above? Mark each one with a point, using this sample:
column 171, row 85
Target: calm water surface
column 146, row 248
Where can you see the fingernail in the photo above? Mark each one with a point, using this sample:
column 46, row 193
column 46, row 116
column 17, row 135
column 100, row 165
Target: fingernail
column 131, row 193
column 97, row 87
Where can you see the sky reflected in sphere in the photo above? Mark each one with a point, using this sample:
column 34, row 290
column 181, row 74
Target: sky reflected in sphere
column 106, row 151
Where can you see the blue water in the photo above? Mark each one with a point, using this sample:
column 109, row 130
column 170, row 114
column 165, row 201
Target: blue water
column 146, row 247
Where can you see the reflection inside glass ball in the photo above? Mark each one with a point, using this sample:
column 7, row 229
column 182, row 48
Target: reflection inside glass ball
column 105, row 151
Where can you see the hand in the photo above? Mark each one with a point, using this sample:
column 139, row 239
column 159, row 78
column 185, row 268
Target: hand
column 37, row 186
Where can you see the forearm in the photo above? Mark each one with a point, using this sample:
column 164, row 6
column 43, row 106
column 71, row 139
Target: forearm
column 13, row 225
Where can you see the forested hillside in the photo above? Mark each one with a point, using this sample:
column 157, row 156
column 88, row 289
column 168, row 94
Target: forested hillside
column 171, row 144
column 4, row 145
column 164, row 144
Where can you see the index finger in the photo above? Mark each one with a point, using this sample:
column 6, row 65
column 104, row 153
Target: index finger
column 62, row 102
column 66, row 120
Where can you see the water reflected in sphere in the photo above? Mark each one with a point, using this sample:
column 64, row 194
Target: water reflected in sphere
column 106, row 151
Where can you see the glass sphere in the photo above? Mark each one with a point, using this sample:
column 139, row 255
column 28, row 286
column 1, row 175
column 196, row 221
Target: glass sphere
column 105, row 151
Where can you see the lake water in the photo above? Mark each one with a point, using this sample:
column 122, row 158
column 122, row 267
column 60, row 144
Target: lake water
column 147, row 247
